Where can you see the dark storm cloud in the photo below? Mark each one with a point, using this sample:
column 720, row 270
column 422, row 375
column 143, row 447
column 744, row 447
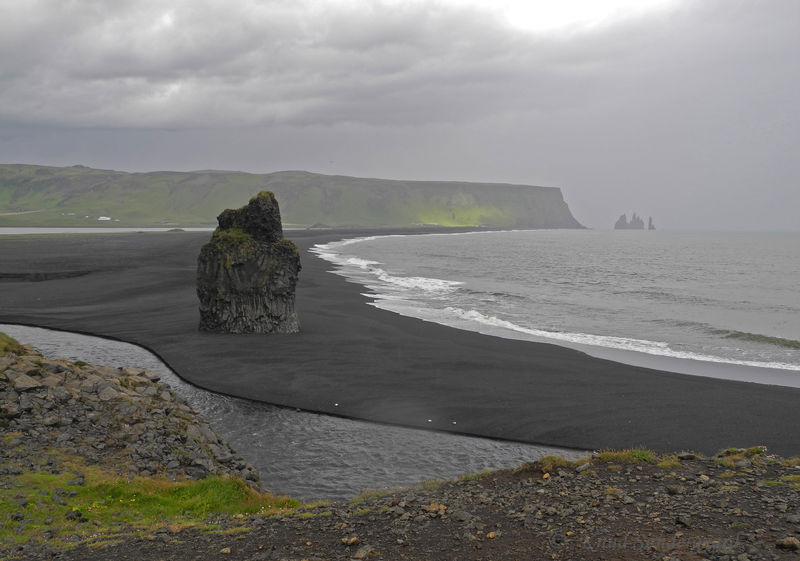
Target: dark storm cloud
column 688, row 113
column 138, row 64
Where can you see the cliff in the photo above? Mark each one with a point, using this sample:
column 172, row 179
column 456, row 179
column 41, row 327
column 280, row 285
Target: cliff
column 80, row 196
column 247, row 272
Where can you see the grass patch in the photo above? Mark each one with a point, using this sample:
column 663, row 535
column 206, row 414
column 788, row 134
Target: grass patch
column 731, row 456
column 550, row 464
column 474, row 476
column 791, row 478
column 792, row 462
column 233, row 236
column 669, row 462
column 431, row 484
column 307, row 515
column 727, row 474
column 729, row 488
column 369, row 494
column 9, row 345
column 632, row 456
column 41, row 506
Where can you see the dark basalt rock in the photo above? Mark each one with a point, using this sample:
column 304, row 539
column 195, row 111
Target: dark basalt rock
column 636, row 223
column 247, row 272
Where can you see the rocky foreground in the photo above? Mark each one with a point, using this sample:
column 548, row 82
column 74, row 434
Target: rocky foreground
column 741, row 505
column 105, row 415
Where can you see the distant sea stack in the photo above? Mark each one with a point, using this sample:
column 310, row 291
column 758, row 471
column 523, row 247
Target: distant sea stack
column 247, row 272
column 636, row 223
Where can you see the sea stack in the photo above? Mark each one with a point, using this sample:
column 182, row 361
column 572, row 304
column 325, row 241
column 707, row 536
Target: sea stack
column 636, row 223
column 247, row 272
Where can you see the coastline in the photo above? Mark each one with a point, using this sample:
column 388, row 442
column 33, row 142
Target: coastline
column 377, row 365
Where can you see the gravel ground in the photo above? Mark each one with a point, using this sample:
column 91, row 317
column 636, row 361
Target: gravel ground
column 692, row 509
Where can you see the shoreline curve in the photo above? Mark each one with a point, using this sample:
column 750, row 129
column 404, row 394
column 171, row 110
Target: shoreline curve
column 377, row 365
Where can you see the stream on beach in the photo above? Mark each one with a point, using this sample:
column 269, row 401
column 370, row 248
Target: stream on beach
column 305, row 455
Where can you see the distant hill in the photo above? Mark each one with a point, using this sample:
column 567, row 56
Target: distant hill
column 82, row 196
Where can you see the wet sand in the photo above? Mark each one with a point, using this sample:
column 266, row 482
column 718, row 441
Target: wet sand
column 354, row 360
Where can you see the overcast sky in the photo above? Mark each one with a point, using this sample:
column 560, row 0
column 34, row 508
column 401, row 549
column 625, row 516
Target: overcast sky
column 686, row 110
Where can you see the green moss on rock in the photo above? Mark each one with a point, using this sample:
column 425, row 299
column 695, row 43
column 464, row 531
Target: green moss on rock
column 9, row 345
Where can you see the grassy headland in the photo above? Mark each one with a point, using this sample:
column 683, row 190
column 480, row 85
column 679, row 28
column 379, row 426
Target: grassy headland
column 79, row 196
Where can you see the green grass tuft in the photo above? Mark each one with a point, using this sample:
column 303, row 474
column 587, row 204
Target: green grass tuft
column 112, row 505
column 9, row 345
column 669, row 462
column 476, row 475
column 632, row 456
column 730, row 456
column 369, row 494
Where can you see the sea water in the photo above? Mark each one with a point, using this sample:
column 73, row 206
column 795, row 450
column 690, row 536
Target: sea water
column 728, row 299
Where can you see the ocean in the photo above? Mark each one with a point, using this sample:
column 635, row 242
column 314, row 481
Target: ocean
column 719, row 299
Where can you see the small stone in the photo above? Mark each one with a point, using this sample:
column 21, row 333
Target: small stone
column 149, row 391
column 52, row 381
column 25, row 383
column 362, row 552
column 789, row 543
column 583, row 467
column 225, row 550
column 11, row 410
column 108, row 393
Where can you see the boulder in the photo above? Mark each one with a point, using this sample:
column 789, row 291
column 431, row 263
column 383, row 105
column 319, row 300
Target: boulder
column 24, row 383
column 247, row 272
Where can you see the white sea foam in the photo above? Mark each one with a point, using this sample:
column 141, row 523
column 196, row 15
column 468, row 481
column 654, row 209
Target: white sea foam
column 390, row 281
column 430, row 299
column 620, row 343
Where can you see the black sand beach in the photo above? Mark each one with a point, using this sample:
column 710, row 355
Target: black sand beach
column 354, row 360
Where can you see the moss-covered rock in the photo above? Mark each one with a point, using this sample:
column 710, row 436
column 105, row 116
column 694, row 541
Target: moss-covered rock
column 247, row 272
column 9, row 345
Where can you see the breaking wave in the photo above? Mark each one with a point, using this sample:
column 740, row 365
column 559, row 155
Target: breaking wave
column 621, row 343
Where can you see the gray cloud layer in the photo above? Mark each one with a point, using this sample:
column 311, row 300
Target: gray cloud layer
column 687, row 115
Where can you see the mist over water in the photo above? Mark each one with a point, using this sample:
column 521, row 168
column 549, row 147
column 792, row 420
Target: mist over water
column 720, row 298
